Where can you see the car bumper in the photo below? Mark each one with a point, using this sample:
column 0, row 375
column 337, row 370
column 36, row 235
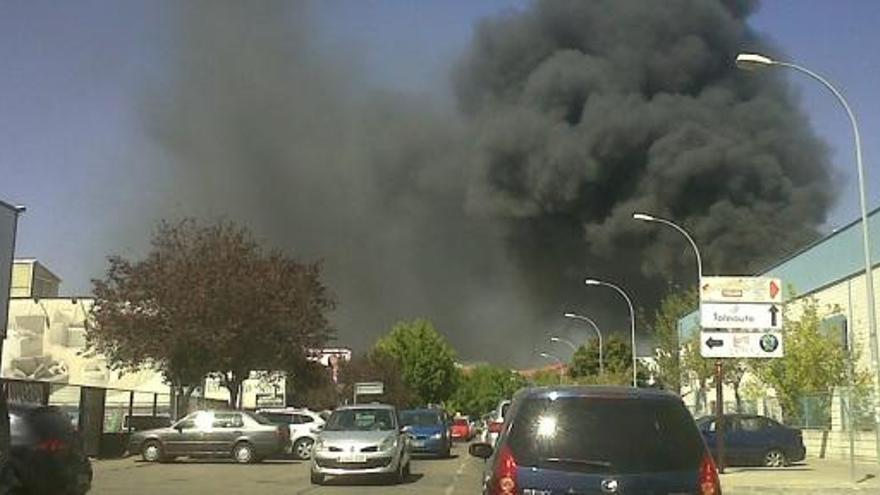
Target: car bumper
column 428, row 446
column 381, row 463
column 798, row 454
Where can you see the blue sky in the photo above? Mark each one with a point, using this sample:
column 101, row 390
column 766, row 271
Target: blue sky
column 73, row 76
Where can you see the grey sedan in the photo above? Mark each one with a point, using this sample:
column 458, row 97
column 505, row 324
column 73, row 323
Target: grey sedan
column 243, row 436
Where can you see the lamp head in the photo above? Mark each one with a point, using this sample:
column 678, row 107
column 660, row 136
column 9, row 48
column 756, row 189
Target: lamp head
column 752, row 61
column 592, row 281
column 644, row 217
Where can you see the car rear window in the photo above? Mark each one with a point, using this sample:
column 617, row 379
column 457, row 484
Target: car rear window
column 605, row 435
column 419, row 418
column 50, row 423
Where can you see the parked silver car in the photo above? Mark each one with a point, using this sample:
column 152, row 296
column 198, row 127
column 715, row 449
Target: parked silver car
column 244, row 436
column 362, row 440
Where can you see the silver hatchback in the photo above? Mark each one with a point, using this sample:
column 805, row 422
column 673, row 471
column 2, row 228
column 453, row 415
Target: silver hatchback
column 362, row 440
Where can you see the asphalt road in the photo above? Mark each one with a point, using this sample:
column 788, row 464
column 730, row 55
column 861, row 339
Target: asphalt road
column 455, row 476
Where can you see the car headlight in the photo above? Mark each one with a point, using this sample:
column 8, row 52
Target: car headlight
column 388, row 444
column 436, row 436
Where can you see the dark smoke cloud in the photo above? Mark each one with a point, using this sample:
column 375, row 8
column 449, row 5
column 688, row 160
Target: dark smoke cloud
column 486, row 218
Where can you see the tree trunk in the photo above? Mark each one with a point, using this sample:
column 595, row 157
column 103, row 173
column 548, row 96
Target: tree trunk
column 738, row 397
column 232, row 381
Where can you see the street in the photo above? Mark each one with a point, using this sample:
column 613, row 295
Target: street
column 459, row 474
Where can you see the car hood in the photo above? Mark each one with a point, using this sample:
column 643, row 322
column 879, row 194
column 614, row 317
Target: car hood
column 358, row 439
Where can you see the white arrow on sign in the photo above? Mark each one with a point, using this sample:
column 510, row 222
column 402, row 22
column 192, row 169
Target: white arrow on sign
column 746, row 316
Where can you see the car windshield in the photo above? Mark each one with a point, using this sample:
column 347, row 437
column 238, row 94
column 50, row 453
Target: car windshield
column 419, row 418
column 361, row 420
column 259, row 418
column 602, row 434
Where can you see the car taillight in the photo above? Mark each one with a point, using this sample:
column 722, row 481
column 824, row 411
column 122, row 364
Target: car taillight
column 709, row 484
column 495, row 426
column 504, row 478
column 52, row 445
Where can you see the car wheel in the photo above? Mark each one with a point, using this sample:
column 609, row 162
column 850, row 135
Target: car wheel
column 317, row 478
column 302, row 449
column 151, row 451
column 774, row 458
column 243, row 453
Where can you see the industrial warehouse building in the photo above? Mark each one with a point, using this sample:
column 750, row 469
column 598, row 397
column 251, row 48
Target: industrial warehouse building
column 831, row 271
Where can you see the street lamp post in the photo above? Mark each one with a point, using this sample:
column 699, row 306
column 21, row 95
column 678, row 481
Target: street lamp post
column 754, row 61
column 632, row 318
column 564, row 341
column 598, row 334
column 560, row 362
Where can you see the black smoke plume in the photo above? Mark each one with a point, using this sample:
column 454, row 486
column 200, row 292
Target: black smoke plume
column 486, row 218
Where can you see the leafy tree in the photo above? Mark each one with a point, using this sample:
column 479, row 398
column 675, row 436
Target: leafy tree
column 208, row 300
column 617, row 358
column 377, row 367
column 546, row 377
column 313, row 387
column 426, row 360
column 481, row 388
column 697, row 368
column 664, row 326
column 812, row 364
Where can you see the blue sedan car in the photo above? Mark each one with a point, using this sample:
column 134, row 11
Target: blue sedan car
column 755, row 440
column 429, row 429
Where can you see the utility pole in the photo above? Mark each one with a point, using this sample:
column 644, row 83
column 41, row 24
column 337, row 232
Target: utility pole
column 719, row 414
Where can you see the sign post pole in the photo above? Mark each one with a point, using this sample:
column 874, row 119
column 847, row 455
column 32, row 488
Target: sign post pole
column 719, row 414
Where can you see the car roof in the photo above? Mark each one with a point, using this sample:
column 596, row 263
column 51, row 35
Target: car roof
column 603, row 391
column 366, row 406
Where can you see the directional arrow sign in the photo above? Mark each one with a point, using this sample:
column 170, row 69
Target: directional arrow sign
column 741, row 290
column 745, row 316
column 733, row 344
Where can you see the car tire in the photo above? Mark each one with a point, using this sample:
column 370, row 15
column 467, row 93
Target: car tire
column 316, row 478
column 151, row 451
column 774, row 458
column 243, row 453
column 302, row 448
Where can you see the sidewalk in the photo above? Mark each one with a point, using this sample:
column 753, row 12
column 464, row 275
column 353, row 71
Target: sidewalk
column 814, row 476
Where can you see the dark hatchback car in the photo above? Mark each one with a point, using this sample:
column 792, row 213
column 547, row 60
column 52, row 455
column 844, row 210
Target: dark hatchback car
column 429, row 430
column 46, row 453
column 751, row 440
column 598, row 440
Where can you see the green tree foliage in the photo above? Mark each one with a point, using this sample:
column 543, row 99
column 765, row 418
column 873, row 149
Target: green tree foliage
column 617, row 358
column 813, row 363
column 208, row 300
column 481, row 388
column 547, row 377
column 427, row 362
column 664, row 326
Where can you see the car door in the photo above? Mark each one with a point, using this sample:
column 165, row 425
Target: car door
column 186, row 437
column 756, row 437
column 226, row 428
column 736, row 441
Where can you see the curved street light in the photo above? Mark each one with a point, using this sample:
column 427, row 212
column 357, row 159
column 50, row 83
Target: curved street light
column 755, row 61
column 598, row 333
column 632, row 318
column 564, row 341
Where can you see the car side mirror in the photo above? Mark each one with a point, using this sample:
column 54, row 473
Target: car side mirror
column 481, row 450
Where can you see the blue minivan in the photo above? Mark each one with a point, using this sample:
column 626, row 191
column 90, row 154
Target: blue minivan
column 429, row 430
column 597, row 440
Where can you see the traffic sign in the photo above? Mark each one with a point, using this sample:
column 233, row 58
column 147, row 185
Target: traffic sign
column 369, row 388
column 743, row 316
column 741, row 344
column 741, row 290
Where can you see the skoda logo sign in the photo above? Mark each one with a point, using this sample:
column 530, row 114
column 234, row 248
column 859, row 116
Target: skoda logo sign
column 769, row 342
column 609, row 486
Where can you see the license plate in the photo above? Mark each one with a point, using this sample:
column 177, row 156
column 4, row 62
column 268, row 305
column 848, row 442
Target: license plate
column 418, row 443
column 353, row 459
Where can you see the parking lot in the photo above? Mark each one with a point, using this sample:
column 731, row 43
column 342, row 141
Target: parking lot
column 459, row 474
